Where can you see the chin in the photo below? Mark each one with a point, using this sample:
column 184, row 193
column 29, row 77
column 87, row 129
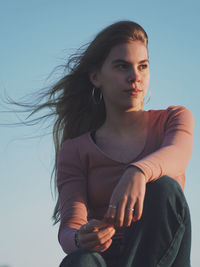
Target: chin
column 137, row 105
column 132, row 108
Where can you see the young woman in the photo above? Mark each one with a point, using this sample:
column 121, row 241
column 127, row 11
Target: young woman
column 120, row 169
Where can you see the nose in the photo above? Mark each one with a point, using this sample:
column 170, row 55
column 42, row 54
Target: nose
column 133, row 76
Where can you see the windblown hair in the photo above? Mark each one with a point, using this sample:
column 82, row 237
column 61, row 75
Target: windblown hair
column 71, row 96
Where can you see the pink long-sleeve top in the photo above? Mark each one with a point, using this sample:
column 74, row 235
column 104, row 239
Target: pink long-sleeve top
column 87, row 176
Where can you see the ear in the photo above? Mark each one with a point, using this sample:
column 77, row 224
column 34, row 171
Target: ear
column 95, row 78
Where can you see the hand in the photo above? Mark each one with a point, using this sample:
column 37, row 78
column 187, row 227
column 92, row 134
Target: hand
column 126, row 203
column 96, row 235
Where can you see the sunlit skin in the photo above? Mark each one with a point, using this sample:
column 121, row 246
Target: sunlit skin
column 123, row 80
column 126, row 67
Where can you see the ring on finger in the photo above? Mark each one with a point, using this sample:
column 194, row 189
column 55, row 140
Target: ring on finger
column 130, row 209
column 112, row 206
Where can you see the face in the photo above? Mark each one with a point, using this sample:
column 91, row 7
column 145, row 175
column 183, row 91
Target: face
column 124, row 77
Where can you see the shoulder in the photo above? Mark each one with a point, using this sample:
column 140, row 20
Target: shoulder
column 178, row 110
column 70, row 156
column 178, row 118
column 74, row 149
column 173, row 117
column 180, row 115
column 74, row 143
column 173, row 112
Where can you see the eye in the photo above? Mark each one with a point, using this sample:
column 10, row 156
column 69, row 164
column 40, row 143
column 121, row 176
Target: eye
column 122, row 66
column 143, row 66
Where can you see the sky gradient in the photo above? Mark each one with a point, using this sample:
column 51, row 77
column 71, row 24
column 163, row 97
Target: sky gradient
column 37, row 36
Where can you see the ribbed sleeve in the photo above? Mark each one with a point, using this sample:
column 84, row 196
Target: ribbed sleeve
column 175, row 151
column 71, row 183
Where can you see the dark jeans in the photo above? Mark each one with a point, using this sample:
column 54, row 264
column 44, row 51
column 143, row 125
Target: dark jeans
column 161, row 238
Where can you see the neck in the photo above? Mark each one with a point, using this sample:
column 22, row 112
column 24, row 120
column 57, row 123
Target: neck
column 123, row 123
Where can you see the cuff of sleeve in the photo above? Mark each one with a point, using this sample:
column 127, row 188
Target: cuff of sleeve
column 143, row 168
column 67, row 240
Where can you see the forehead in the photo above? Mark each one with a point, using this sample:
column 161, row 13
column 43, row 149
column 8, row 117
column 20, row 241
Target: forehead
column 132, row 51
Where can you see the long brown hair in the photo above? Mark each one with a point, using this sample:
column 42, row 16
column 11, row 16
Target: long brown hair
column 70, row 99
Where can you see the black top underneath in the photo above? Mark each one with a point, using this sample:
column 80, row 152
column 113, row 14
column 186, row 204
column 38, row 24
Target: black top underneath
column 93, row 136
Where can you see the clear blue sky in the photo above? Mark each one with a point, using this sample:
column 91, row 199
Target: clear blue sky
column 35, row 37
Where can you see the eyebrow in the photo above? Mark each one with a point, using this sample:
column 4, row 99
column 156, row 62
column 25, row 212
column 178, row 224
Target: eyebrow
column 118, row 60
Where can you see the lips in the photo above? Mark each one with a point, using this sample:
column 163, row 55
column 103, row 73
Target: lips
column 133, row 91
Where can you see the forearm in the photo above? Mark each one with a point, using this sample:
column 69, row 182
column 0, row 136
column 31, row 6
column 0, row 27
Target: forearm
column 66, row 238
column 166, row 161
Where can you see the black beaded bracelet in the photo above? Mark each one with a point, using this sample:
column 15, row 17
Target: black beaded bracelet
column 76, row 239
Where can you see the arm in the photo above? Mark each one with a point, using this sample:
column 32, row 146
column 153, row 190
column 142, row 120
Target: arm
column 71, row 184
column 94, row 235
column 171, row 159
column 176, row 149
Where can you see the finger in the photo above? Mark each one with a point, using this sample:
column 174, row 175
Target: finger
column 138, row 209
column 93, row 226
column 119, row 219
column 103, row 247
column 128, row 214
column 92, row 240
column 109, row 224
column 111, row 213
column 97, row 236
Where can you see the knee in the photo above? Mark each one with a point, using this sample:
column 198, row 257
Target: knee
column 164, row 193
column 164, row 188
column 82, row 258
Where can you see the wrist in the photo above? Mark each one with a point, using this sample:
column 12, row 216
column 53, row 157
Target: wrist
column 135, row 171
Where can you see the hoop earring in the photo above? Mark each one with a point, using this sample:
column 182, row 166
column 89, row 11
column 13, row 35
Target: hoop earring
column 149, row 97
column 96, row 100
